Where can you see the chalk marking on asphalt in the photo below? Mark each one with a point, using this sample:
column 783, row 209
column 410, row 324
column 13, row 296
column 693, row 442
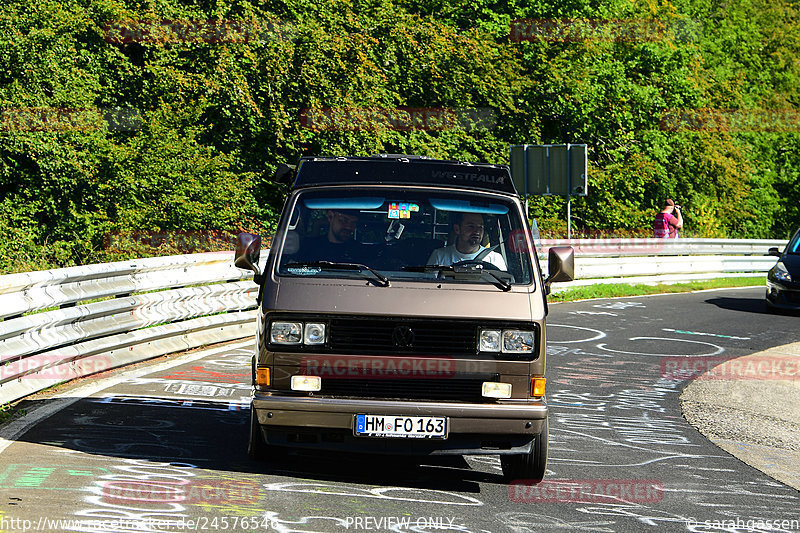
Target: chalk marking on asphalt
column 15, row 429
column 684, row 332
column 702, row 468
column 176, row 402
column 621, row 305
column 416, row 495
column 719, row 349
column 609, row 442
column 599, row 334
column 745, row 492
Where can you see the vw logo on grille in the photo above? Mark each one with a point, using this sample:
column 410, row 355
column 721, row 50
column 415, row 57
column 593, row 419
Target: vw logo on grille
column 403, row 337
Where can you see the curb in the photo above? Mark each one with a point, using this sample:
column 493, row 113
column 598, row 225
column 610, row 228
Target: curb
column 755, row 418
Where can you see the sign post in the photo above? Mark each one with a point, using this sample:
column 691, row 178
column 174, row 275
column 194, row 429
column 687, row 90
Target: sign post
column 550, row 169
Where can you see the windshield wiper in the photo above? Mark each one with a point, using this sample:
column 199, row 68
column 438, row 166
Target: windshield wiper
column 330, row 265
column 461, row 271
column 504, row 283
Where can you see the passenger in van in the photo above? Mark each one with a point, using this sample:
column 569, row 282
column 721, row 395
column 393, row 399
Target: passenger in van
column 338, row 244
column 468, row 229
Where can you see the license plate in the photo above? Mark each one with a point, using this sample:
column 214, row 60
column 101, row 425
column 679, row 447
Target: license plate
column 414, row 427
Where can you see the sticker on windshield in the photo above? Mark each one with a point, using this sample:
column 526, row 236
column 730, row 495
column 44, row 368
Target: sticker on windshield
column 303, row 270
column 402, row 209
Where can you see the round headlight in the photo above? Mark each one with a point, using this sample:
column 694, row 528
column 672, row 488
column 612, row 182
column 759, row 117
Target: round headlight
column 489, row 340
column 314, row 334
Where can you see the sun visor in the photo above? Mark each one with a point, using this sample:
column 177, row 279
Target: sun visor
column 464, row 206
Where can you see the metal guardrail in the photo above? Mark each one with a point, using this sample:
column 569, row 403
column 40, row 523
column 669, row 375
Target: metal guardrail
column 600, row 261
column 54, row 329
column 72, row 322
column 651, row 247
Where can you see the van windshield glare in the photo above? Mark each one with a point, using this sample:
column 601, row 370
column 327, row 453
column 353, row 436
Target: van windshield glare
column 399, row 233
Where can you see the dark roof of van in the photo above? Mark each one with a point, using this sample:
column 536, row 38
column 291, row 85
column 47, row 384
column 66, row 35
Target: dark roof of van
column 402, row 170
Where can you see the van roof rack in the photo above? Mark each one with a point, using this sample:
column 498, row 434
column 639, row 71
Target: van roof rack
column 399, row 169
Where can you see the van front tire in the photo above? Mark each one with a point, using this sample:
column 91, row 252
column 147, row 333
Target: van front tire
column 256, row 447
column 529, row 467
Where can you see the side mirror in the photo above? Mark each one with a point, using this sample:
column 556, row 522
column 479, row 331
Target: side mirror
column 248, row 251
column 284, row 174
column 774, row 251
column 560, row 265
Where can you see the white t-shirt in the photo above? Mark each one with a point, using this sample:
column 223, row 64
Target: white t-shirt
column 449, row 255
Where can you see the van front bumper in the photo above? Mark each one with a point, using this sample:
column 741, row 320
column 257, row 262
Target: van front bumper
column 327, row 423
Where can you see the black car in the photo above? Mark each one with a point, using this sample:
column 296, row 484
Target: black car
column 783, row 280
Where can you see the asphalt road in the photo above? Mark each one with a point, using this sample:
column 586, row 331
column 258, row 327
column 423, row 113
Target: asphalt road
column 162, row 447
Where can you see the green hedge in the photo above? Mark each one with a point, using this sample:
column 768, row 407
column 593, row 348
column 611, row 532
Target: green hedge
column 202, row 122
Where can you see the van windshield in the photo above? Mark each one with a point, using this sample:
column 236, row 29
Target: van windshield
column 411, row 234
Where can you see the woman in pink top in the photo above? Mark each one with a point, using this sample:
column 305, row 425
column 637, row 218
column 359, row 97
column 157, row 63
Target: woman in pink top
column 666, row 225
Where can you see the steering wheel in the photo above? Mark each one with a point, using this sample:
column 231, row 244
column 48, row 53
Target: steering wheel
column 470, row 262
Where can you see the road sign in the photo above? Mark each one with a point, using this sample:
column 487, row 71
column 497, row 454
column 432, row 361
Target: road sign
column 550, row 169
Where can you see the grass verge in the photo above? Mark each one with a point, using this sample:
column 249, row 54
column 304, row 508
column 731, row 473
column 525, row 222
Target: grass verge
column 8, row 413
column 612, row 290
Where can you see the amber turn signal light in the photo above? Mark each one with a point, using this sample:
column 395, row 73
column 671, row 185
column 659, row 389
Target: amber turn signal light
column 537, row 386
column 262, row 377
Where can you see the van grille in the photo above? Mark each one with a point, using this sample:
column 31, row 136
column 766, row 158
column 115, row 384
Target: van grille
column 401, row 336
column 393, row 336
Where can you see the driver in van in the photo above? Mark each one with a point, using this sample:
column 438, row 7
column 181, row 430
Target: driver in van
column 468, row 229
column 341, row 226
column 338, row 244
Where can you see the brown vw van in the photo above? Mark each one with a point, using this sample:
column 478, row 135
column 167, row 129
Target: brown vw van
column 402, row 311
